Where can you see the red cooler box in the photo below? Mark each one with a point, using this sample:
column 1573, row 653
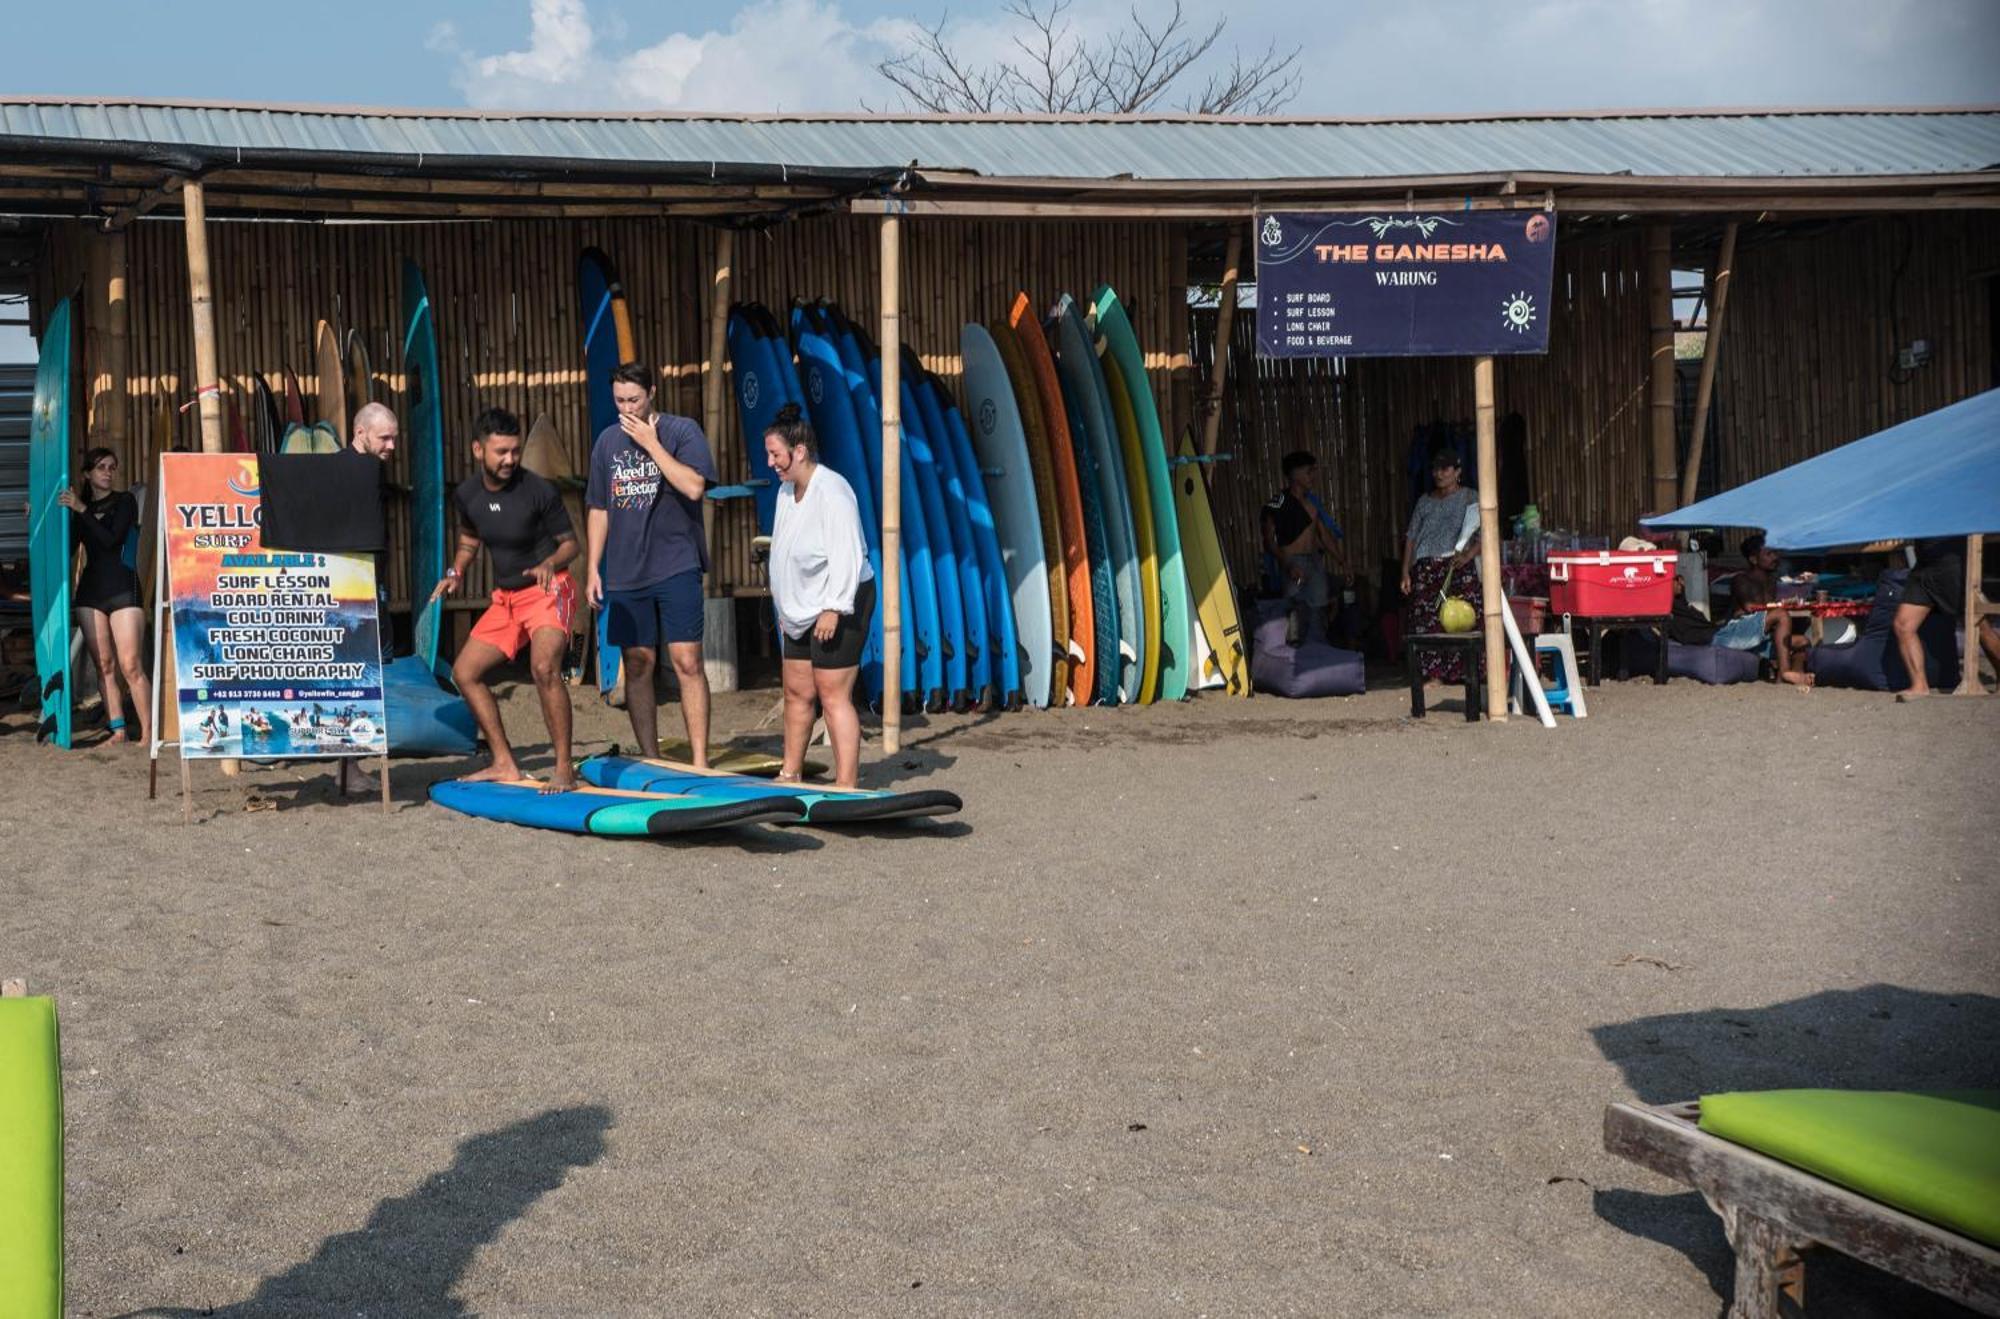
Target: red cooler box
column 1611, row 583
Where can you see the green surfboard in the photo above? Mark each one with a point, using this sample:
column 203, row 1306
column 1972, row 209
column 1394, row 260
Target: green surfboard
column 1176, row 618
column 48, row 528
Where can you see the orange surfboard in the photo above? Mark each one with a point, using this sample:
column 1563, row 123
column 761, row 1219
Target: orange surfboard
column 1069, row 500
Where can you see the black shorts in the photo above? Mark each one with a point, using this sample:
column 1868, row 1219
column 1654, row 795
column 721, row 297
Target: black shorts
column 108, row 603
column 850, row 634
column 1938, row 585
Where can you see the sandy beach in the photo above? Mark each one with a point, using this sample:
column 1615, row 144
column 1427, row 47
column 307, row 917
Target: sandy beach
column 1229, row 1008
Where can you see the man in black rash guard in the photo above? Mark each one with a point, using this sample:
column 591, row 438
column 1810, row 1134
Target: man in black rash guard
column 105, row 602
column 520, row 519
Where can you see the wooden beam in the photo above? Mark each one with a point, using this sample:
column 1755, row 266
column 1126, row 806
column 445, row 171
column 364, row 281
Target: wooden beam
column 1660, row 388
column 711, row 379
column 891, row 336
column 1492, row 590
column 1711, row 352
column 207, row 376
column 1225, row 325
column 1977, row 607
column 145, row 202
column 107, row 329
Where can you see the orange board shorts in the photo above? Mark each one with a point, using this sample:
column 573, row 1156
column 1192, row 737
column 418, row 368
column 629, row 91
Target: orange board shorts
column 516, row 615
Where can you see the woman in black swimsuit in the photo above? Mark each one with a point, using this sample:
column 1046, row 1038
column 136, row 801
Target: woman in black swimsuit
column 106, row 597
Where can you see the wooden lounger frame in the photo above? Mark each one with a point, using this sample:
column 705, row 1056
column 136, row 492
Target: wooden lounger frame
column 1772, row 1211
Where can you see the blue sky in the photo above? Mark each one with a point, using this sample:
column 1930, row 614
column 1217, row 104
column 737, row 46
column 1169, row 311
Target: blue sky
column 1359, row 57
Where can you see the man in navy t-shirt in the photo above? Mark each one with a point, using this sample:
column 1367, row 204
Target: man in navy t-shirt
column 647, row 553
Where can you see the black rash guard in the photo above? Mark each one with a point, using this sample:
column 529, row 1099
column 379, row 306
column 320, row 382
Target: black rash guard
column 107, row 583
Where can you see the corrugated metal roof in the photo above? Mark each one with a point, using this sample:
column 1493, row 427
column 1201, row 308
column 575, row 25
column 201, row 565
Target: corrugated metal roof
column 1721, row 145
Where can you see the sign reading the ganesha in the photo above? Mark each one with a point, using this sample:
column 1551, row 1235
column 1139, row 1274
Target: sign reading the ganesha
column 1442, row 284
column 275, row 653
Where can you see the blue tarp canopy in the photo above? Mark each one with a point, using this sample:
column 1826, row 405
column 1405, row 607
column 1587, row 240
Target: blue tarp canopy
column 1936, row 475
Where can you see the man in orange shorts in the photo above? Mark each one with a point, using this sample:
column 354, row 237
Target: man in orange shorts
column 519, row 518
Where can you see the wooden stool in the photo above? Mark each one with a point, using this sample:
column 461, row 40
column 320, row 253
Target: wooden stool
column 1472, row 644
column 1593, row 627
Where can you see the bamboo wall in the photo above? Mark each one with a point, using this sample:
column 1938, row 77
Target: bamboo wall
column 504, row 296
column 1584, row 404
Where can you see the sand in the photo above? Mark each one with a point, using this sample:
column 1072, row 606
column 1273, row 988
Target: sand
column 1231, row 1008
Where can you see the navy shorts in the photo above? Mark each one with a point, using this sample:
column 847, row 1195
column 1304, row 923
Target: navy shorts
column 661, row 614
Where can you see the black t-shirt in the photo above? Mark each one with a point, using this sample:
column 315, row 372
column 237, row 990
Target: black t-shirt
column 1289, row 517
column 519, row 524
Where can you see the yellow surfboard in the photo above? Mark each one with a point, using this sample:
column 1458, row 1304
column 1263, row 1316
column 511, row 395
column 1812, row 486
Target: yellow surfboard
column 1142, row 528
column 1208, row 574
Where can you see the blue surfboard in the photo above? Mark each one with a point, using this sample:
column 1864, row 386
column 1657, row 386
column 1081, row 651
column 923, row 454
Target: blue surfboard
column 922, row 625
column 1078, row 369
column 423, row 413
column 1002, row 641
column 951, row 493
column 600, row 295
column 756, row 380
column 822, row 805
column 1003, row 457
column 49, row 551
column 823, row 382
column 607, row 811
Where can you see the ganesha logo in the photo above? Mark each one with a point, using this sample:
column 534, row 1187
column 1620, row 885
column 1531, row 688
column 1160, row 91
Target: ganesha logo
column 816, row 386
column 989, row 416
column 1517, row 312
column 750, row 389
column 1272, row 234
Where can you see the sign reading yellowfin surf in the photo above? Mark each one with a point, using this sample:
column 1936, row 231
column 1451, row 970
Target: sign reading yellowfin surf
column 1470, row 283
column 275, row 653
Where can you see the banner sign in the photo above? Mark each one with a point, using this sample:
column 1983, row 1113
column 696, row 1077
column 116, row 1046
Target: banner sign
column 276, row 653
column 1440, row 284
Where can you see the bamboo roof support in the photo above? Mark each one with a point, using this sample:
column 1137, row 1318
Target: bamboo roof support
column 1718, row 304
column 891, row 338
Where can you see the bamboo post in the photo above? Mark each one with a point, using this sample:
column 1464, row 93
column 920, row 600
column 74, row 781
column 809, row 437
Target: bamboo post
column 891, row 337
column 1225, row 325
column 1492, row 590
column 1660, row 316
column 1976, row 609
column 1710, row 353
column 202, row 299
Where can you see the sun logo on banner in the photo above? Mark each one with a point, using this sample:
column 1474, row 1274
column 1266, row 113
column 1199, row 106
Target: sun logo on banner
column 244, row 479
column 1517, row 312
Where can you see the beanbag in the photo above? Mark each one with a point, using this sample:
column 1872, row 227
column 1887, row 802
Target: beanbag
column 1714, row 665
column 424, row 719
column 1310, row 667
column 1873, row 661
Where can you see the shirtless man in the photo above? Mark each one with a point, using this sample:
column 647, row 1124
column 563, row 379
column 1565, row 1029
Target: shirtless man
column 520, row 520
column 1296, row 536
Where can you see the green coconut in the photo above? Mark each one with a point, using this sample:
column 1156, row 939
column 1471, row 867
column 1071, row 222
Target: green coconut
column 1456, row 615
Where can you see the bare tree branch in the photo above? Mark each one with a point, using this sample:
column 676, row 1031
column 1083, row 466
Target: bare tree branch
column 1055, row 71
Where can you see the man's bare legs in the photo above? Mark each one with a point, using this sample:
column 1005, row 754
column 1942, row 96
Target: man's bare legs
column 686, row 657
column 547, row 649
column 475, row 661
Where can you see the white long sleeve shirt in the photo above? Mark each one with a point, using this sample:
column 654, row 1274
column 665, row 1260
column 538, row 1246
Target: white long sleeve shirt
column 818, row 556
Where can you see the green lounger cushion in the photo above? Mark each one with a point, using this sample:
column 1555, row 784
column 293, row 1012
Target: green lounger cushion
column 31, row 1161
column 1935, row 1154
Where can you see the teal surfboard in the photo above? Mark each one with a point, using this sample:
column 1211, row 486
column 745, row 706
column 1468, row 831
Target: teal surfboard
column 609, row 812
column 951, row 497
column 49, row 552
column 1083, row 389
column 822, row 805
column 1002, row 447
column 424, row 416
column 1176, row 617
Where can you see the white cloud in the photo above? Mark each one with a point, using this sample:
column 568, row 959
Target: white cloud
column 775, row 54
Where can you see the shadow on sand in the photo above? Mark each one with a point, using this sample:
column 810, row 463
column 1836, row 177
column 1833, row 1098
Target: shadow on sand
column 409, row 1255
column 1879, row 1037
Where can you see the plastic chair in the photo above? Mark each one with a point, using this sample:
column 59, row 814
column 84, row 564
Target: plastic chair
column 1567, row 694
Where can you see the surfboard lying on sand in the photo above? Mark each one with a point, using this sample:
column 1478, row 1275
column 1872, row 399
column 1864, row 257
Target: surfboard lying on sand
column 608, row 812
column 822, row 805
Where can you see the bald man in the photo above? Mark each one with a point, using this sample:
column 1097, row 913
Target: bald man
column 375, row 435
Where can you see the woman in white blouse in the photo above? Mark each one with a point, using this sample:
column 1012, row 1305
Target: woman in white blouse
column 824, row 590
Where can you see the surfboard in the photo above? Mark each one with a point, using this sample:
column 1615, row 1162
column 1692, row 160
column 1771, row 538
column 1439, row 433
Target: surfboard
column 1077, row 585
column 424, row 440
column 1002, row 644
column 922, row 623
column 295, row 402
column 753, row 378
column 1208, row 574
column 31, row 1113
column 607, row 343
column 266, row 422
column 945, row 580
column 1083, row 386
column 1176, row 620
column 360, row 382
column 233, row 424
column 50, row 554
column 827, row 401
column 735, row 758
column 604, row 811
column 1002, row 448
column 1028, row 405
column 823, row 805
column 332, row 379
column 951, row 494
column 1134, row 461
